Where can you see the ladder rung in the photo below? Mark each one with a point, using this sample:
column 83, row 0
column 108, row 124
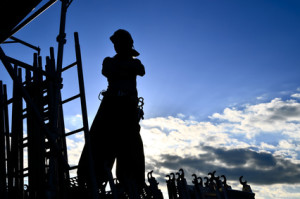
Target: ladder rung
column 70, row 66
column 46, row 114
column 73, row 132
column 73, row 167
column 9, row 101
column 26, row 66
column 70, row 99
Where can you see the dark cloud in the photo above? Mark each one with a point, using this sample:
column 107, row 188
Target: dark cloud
column 284, row 112
column 256, row 167
column 241, row 157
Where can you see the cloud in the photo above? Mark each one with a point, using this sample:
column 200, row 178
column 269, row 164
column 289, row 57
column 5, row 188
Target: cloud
column 73, row 122
column 234, row 163
column 75, row 145
column 259, row 141
column 274, row 116
column 296, row 95
column 262, row 97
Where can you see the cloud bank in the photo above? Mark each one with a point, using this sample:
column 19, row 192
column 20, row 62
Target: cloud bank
column 260, row 142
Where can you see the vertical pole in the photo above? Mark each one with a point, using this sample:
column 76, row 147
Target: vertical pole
column 20, row 185
column 61, row 36
column 30, row 140
column 31, row 134
column 37, row 116
column 35, row 133
column 39, row 133
column 85, row 118
column 61, row 39
column 8, row 141
column 57, row 97
column 53, row 184
column 58, row 124
column 17, row 131
column 3, row 193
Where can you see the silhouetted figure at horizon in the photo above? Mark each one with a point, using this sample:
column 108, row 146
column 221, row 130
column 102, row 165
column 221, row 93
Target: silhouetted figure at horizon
column 115, row 132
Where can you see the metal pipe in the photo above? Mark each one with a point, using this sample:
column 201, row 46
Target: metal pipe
column 2, row 146
column 85, row 119
column 26, row 44
column 30, row 103
column 29, row 19
column 25, row 65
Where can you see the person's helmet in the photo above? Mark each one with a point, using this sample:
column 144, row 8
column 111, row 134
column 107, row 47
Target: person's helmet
column 123, row 38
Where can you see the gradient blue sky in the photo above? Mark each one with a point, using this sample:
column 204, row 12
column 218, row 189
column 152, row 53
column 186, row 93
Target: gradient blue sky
column 202, row 57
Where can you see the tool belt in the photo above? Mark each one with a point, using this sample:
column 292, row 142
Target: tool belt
column 119, row 93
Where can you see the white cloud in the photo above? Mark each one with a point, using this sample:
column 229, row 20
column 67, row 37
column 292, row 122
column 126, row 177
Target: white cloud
column 229, row 114
column 73, row 122
column 266, row 146
column 67, row 130
column 296, row 95
column 285, row 144
column 74, row 150
column 281, row 191
column 232, row 130
column 180, row 115
column 262, row 97
column 274, row 116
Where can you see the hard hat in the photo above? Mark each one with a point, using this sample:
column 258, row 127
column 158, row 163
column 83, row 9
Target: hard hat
column 123, row 37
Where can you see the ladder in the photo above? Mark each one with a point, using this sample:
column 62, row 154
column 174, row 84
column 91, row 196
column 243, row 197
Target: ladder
column 38, row 107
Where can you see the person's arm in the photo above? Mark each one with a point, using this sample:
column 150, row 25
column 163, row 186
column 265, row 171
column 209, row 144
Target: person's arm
column 139, row 67
column 107, row 67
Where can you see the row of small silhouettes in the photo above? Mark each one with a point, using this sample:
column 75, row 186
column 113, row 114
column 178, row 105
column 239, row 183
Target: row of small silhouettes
column 210, row 187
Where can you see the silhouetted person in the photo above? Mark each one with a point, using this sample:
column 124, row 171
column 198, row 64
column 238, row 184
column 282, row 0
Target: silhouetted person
column 115, row 132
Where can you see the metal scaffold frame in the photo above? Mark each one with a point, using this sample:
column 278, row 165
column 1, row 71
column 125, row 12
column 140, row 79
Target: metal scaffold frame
column 45, row 137
column 37, row 106
column 33, row 149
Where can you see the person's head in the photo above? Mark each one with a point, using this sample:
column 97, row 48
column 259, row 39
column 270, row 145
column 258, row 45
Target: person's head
column 123, row 43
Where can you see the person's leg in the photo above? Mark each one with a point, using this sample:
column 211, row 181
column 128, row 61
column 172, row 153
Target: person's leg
column 103, row 154
column 130, row 152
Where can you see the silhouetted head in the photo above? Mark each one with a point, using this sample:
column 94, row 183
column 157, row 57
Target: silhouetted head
column 123, row 43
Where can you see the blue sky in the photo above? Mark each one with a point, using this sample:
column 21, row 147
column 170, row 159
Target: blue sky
column 229, row 69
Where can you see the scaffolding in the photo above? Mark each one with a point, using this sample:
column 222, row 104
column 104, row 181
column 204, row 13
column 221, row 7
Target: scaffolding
column 44, row 142
column 33, row 150
column 37, row 107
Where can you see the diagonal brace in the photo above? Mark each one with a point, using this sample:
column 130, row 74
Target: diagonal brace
column 29, row 101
